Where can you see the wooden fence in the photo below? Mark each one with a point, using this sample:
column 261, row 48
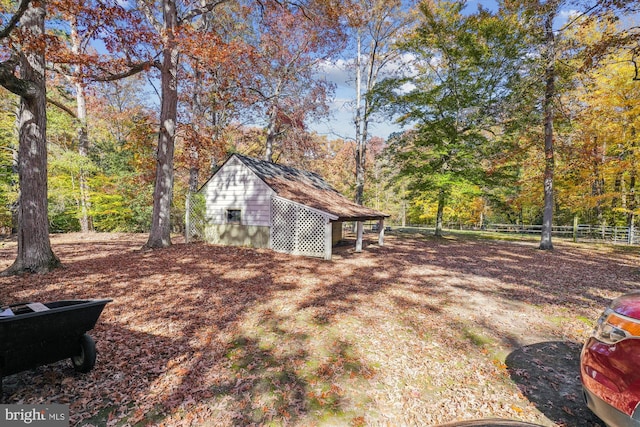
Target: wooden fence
column 579, row 232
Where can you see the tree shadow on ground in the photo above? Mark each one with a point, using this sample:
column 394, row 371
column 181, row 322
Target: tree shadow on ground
column 548, row 374
column 111, row 387
column 171, row 344
column 491, row 422
column 248, row 336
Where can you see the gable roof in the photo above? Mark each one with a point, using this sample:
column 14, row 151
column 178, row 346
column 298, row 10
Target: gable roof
column 309, row 189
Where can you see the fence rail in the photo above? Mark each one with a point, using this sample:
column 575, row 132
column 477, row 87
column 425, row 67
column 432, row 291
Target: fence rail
column 579, row 232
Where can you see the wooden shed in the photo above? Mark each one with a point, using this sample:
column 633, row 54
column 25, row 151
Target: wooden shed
column 250, row 202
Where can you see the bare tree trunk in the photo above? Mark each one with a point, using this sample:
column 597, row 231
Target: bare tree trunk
column 34, row 247
column 271, row 134
column 631, row 198
column 360, row 147
column 549, row 166
column 440, row 213
column 597, row 186
column 381, row 22
column 272, row 127
column 361, row 154
column 83, row 138
column 404, row 213
column 160, row 235
column 193, row 188
column 86, row 225
column 617, row 190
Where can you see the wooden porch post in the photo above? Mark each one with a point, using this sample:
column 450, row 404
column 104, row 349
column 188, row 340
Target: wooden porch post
column 381, row 232
column 187, row 219
column 328, row 240
column 359, row 228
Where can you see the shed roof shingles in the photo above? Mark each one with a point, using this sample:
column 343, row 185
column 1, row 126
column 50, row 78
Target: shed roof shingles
column 309, row 189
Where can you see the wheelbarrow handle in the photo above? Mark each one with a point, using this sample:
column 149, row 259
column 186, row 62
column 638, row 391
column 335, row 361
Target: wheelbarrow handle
column 17, row 304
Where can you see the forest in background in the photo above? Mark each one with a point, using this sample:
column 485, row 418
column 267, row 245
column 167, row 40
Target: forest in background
column 471, row 87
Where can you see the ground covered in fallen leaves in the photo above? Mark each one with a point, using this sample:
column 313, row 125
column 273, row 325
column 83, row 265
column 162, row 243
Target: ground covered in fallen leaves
column 421, row 331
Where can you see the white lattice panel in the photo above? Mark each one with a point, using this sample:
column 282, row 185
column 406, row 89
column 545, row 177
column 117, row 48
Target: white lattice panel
column 296, row 229
column 283, row 217
column 310, row 233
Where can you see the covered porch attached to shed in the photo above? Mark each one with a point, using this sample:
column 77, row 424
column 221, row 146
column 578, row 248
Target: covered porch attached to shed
column 298, row 229
column 359, row 229
column 251, row 202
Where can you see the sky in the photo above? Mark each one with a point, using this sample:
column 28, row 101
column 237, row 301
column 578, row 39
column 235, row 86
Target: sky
column 340, row 124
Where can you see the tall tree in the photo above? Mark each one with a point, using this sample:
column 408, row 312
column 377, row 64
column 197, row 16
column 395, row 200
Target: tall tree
column 79, row 26
column 73, row 75
column 464, row 70
column 78, row 46
column 603, row 169
column 292, row 42
column 218, row 70
column 540, row 16
column 166, row 24
column 378, row 25
column 548, row 107
column 169, row 18
column 26, row 30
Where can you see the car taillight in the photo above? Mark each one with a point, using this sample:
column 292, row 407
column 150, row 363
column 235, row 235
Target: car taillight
column 613, row 327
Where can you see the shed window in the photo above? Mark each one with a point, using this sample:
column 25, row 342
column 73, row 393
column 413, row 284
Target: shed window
column 234, row 216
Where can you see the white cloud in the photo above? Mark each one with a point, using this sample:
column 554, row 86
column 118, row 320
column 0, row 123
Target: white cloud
column 340, row 123
column 338, row 72
column 568, row 13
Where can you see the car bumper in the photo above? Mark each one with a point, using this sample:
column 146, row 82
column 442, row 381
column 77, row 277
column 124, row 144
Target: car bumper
column 607, row 413
column 611, row 373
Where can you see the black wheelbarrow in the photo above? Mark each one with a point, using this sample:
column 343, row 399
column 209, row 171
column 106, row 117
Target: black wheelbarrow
column 34, row 334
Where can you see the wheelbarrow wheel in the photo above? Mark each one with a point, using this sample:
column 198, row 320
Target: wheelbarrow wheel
column 85, row 360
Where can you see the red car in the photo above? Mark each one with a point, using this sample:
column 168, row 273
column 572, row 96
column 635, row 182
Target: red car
column 610, row 364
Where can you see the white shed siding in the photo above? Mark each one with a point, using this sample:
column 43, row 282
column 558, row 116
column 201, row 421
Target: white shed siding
column 237, row 187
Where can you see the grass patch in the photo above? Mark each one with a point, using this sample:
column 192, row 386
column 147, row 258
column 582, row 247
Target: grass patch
column 102, row 417
column 476, row 338
column 587, row 321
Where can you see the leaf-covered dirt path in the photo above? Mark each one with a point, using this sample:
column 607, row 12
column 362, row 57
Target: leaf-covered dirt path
column 418, row 332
